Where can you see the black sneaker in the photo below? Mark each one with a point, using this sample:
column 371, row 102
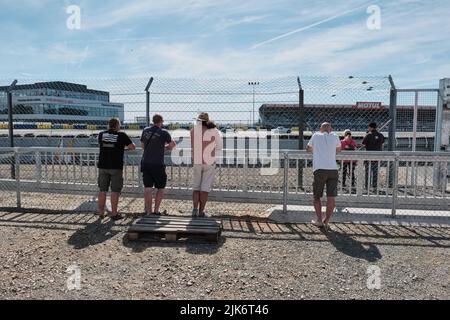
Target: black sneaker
column 202, row 215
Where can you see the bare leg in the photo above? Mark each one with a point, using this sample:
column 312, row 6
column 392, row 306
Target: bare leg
column 318, row 208
column 148, row 200
column 196, row 198
column 158, row 199
column 331, row 204
column 114, row 202
column 203, row 200
column 101, row 203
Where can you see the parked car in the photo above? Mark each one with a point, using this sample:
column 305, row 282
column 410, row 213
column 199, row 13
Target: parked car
column 29, row 135
column 281, row 130
column 228, row 130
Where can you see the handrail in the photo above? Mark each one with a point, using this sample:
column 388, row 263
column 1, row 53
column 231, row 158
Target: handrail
column 292, row 153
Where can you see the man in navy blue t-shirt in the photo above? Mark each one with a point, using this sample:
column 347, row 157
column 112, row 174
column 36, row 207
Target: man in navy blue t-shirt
column 154, row 141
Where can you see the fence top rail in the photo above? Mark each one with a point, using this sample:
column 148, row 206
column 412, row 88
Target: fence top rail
column 417, row 90
column 238, row 152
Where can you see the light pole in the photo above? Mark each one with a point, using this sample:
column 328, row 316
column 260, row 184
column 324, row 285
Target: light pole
column 253, row 84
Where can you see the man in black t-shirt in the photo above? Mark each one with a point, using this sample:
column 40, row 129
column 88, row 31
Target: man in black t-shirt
column 154, row 141
column 112, row 143
column 373, row 141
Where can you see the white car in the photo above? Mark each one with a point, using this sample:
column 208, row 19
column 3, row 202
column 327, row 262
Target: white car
column 281, row 130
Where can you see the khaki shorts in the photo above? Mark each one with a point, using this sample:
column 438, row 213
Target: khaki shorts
column 203, row 177
column 110, row 177
column 329, row 178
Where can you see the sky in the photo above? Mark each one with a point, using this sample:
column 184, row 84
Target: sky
column 226, row 39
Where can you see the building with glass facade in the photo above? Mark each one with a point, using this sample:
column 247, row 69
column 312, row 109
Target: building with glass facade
column 60, row 102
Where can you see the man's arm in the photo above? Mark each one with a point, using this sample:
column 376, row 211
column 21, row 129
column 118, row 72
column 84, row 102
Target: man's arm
column 309, row 146
column 129, row 145
column 338, row 145
column 171, row 145
column 143, row 140
column 219, row 141
column 170, row 142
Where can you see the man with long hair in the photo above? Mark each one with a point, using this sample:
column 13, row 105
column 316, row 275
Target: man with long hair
column 206, row 144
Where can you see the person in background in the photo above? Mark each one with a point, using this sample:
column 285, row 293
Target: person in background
column 373, row 141
column 154, row 141
column 206, row 144
column 324, row 146
column 349, row 144
column 112, row 144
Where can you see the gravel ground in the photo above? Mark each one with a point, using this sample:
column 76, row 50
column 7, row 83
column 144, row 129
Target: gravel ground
column 255, row 259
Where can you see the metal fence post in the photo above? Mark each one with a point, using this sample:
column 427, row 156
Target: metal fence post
column 17, row 177
column 285, row 182
column 393, row 125
column 395, row 186
column 415, row 120
column 147, row 102
column 301, row 128
column 9, row 101
column 245, row 166
column 37, row 158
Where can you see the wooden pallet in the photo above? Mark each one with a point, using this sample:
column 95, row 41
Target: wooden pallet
column 170, row 228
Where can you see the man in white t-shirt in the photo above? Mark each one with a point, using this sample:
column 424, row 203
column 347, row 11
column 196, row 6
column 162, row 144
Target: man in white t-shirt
column 324, row 146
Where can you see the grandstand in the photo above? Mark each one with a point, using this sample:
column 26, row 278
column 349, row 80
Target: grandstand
column 59, row 103
column 343, row 117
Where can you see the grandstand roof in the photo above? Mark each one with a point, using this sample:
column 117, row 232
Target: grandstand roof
column 57, row 85
column 336, row 106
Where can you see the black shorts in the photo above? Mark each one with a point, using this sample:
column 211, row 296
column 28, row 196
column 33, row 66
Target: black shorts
column 154, row 176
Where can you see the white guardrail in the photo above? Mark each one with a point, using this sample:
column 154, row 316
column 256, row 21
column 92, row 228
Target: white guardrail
column 406, row 180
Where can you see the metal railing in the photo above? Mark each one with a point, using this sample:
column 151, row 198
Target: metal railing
column 387, row 180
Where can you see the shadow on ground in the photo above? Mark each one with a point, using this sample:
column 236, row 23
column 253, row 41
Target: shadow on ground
column 351, row 247
column 92, row 234
column 353, row 239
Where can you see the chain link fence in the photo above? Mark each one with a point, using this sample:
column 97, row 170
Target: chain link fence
column 266, row 116
column 416, row 119
column 70, row 113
